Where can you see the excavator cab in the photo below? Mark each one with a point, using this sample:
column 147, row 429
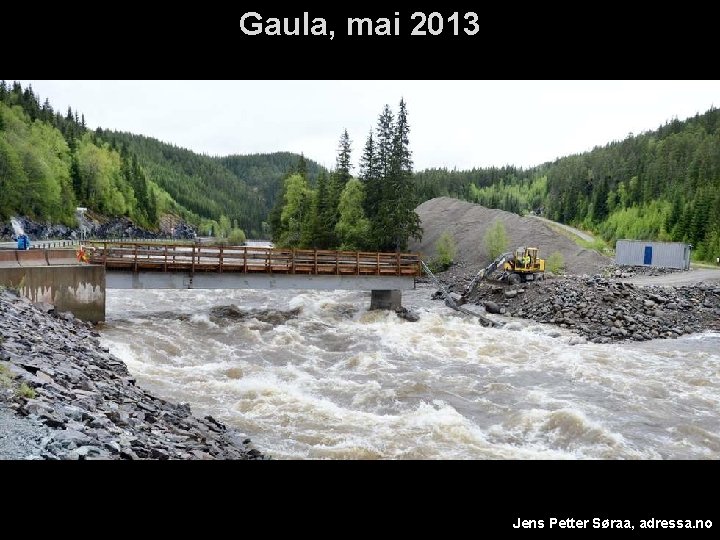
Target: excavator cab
column 532, row 257
column 522, row 259
column 524, row 266
column 525, row 260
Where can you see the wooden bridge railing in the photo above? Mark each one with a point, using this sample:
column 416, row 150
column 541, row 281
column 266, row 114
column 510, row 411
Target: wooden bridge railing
column 248, row 259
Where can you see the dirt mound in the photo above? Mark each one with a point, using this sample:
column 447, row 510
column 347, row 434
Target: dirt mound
column 467, row 223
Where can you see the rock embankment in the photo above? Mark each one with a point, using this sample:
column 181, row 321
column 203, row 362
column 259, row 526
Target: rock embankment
column 110, row 228
column 604, row 310
column 80, row 402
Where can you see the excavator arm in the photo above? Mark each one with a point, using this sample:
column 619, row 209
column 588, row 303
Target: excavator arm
column 449, row 302
column 486, row 272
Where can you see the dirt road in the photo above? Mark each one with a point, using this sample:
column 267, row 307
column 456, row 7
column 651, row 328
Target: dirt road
column 691, row 277
column 585, row 236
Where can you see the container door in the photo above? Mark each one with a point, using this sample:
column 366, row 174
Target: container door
column 648, row 255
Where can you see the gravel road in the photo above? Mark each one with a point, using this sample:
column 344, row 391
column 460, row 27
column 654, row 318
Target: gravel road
column 691, row 277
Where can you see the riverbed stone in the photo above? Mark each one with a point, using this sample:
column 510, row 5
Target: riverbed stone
column 593, row 306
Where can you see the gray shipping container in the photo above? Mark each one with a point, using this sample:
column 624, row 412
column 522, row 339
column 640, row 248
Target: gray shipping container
column 661, row 254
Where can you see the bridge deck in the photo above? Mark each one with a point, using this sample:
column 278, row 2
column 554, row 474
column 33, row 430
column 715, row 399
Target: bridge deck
column 250, row 260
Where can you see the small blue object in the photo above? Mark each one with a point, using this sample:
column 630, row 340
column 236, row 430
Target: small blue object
column 647, row 259
column 23, row 242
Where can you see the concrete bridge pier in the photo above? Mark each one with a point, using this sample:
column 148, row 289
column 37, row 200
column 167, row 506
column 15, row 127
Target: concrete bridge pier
column 386, row 299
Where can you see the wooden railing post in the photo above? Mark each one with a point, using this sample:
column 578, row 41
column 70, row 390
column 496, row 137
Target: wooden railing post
column 192, row 265
column 315, row 254
column 245, row 259
column 221, row 259
column 337, row 262
column 357, row 263
column 135, row 256
column 377, row 268
column 292, row 261
column 398, row 263
column 165, row 258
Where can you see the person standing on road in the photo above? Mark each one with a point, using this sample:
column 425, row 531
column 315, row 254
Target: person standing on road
column 23, row 242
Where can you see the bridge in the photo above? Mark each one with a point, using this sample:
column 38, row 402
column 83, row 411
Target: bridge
column 125, row 265
column 172, row 266
column 140, row 265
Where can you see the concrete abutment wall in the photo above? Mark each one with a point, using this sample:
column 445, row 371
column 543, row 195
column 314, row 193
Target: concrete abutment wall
column 77, row 289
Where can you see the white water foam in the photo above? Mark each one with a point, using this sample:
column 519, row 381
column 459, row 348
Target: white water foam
column 338, row 381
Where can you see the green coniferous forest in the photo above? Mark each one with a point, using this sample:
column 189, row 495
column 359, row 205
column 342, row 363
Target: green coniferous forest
column 205, row 189
column 662, row 184
column 50, row 163
column 659, row 185
column 373, row 212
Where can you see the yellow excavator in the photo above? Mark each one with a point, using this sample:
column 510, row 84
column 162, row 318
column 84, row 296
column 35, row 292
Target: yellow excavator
column 519, row 266
column 523, row 265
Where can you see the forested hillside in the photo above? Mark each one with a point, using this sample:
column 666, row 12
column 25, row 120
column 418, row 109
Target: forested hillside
column 242, row 189
column 663, row 185
column 50, row 163
column 265, row 173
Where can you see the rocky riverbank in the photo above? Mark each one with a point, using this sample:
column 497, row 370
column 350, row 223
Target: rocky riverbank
column 603, row 309
column 64, row 396
column 98, row 227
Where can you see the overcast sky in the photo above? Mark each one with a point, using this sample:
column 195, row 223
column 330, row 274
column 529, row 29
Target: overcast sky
column 453, row 123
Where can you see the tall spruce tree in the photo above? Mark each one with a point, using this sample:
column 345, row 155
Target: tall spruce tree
column 404, row 222
column 323, row 235
column 385, row 139
column 338, row 179
column 381, row 235
column 344, row 152
column 370, row 176
column 391, row 198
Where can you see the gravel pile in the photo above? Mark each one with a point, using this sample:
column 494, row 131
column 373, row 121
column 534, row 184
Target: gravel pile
column 467, row 224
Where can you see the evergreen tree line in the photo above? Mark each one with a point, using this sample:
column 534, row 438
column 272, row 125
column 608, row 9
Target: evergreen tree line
column 659, row 185
column 375, row 211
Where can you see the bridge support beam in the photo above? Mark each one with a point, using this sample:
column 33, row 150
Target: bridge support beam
column 391, row 299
